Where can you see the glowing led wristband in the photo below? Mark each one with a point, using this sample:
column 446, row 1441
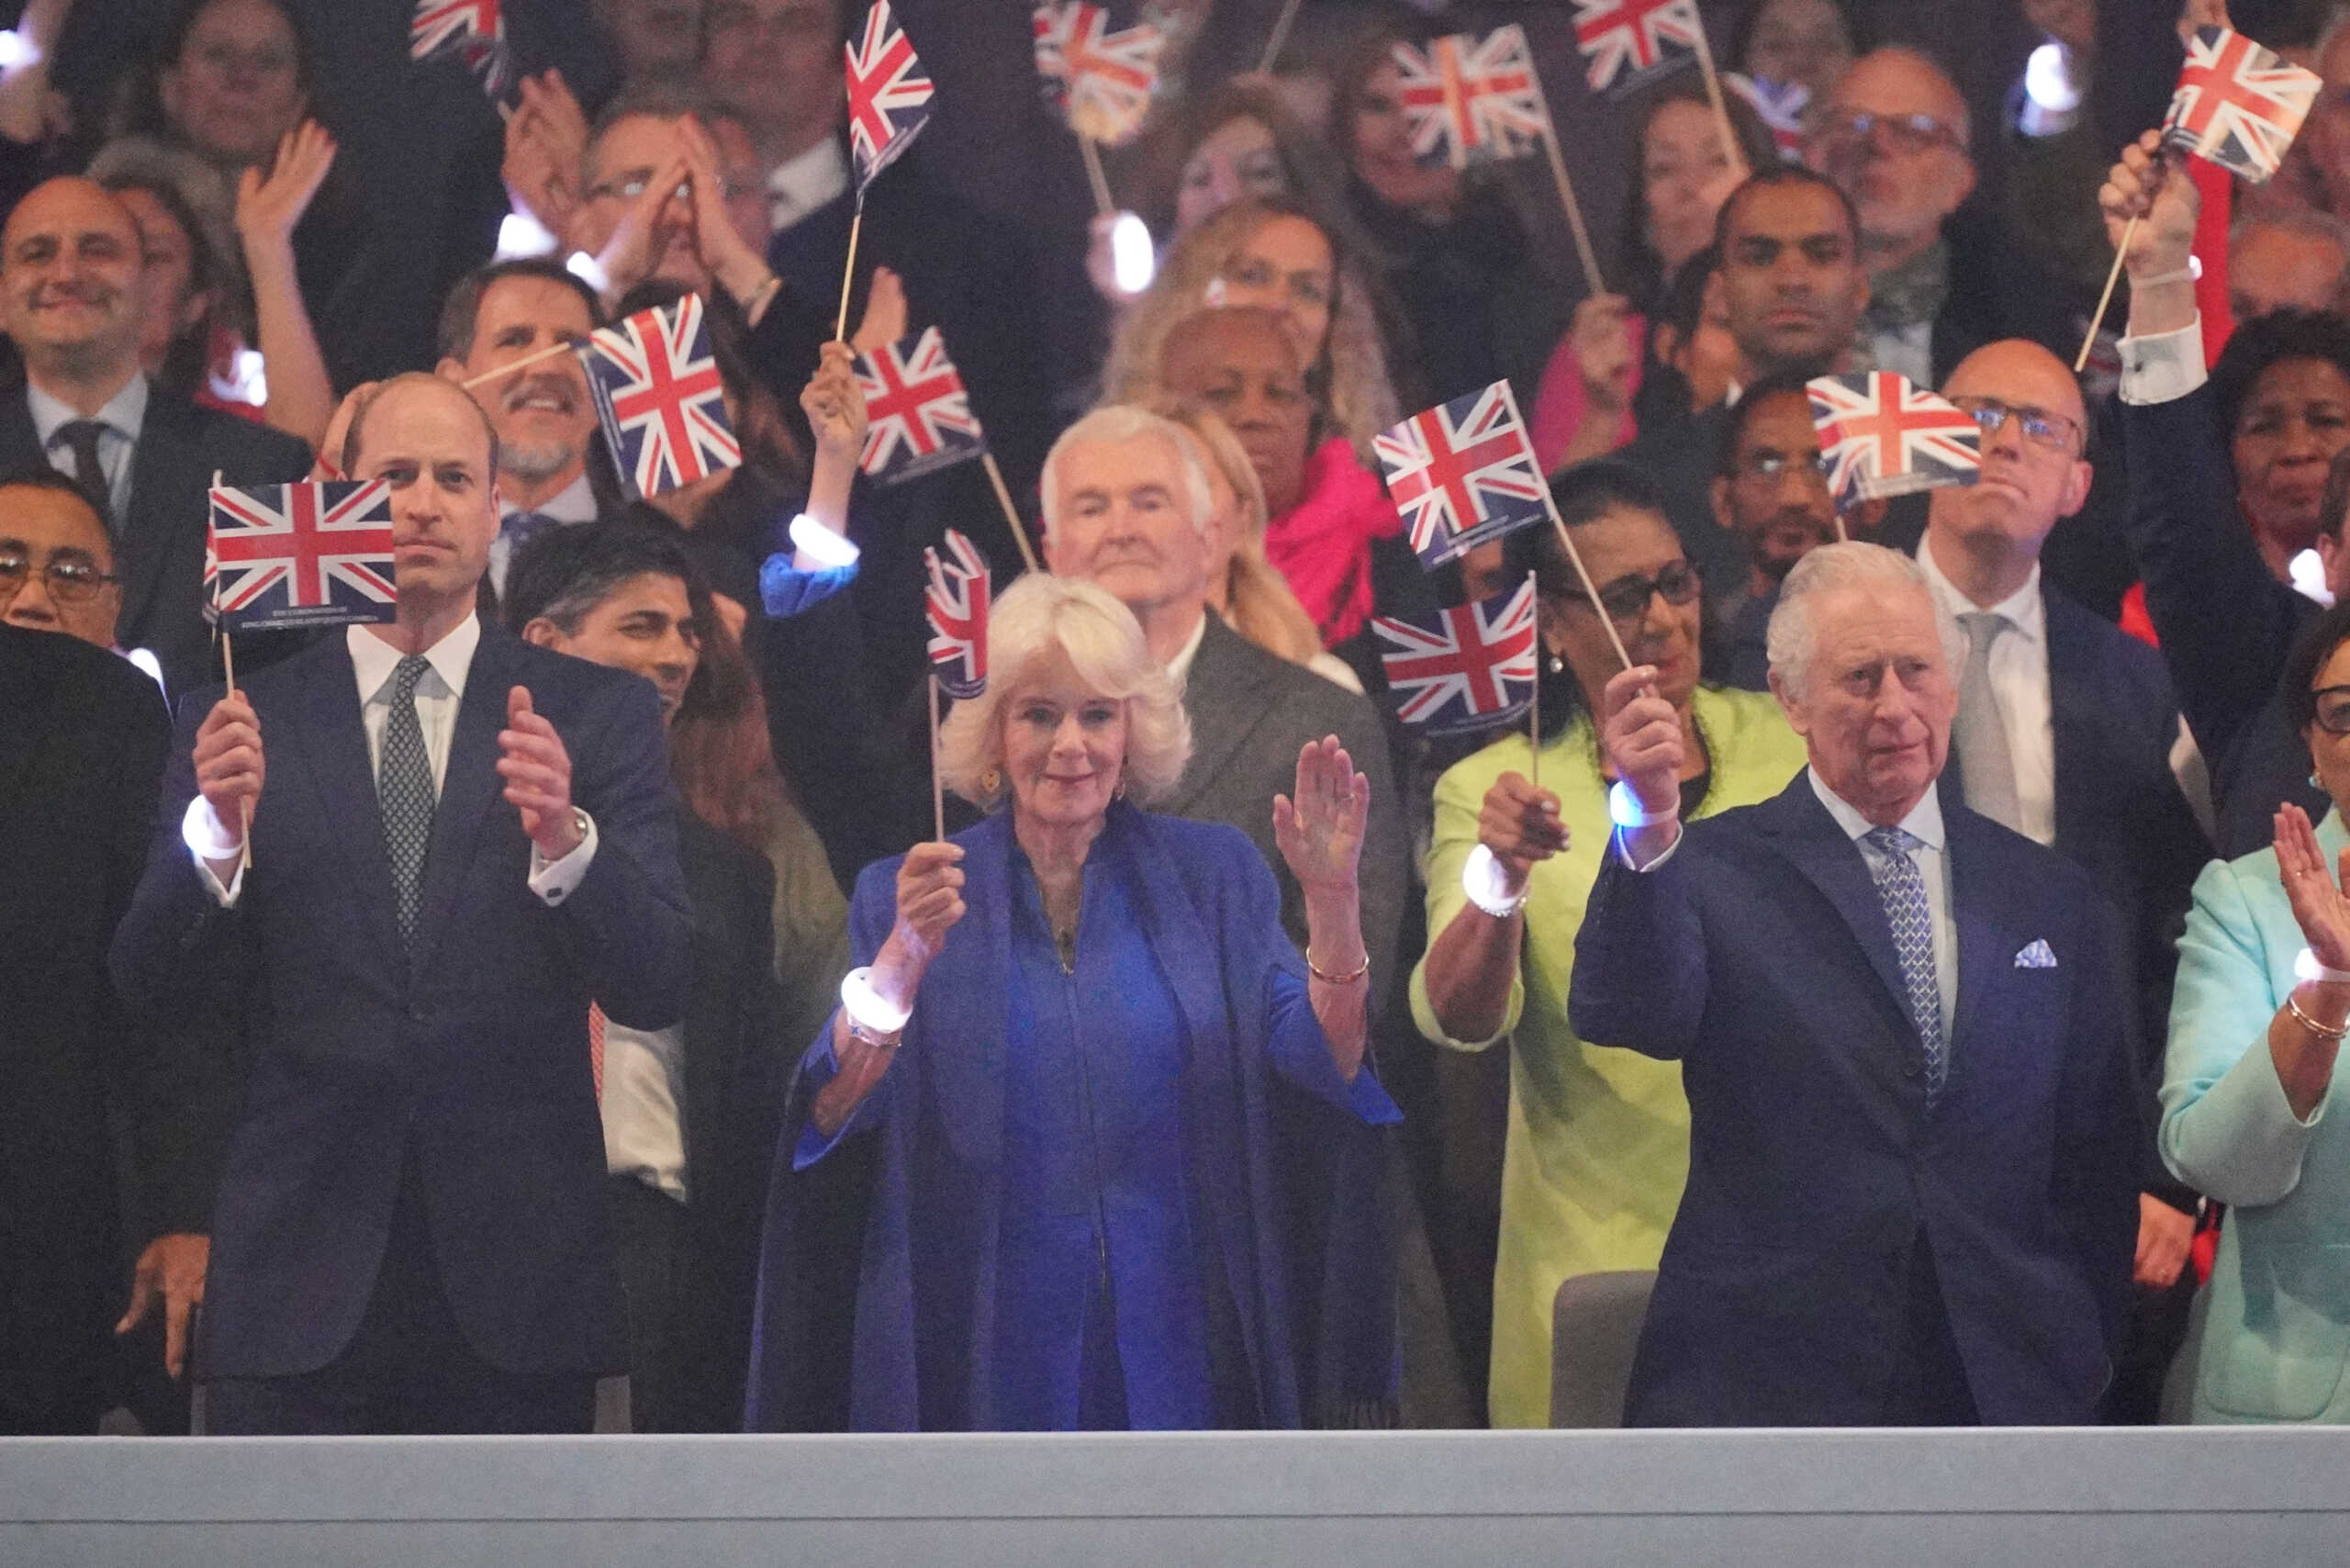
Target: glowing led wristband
column 1624, row 808
column 204, row 835
column 821, row 544
column 865, row 1007
column 2308, row 967
column 1487, row 884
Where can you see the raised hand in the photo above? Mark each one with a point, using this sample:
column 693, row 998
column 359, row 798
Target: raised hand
column 546, row 150
column 1640, row 734
column 2159, row 193
column 2320, row 907
column 537, row 770
column 884, row 321
column 739, row 269
column 930, row 900
column 230, row 766
column 834, row 404
column 628, row 253
column 270, row 206
column 1320, row 829
column 1519, row 825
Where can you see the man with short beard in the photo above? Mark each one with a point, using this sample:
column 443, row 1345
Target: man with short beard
column 545, row 419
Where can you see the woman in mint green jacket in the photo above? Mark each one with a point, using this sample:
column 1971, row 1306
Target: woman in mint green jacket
column 1598, row 1142
column 2256, row 1023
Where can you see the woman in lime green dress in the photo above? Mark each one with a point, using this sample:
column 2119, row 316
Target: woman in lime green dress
column 1598, row 1145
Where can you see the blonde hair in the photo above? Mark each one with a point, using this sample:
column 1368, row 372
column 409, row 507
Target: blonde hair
column 1257, row 597
column 1347, row 378
column 1037, row 616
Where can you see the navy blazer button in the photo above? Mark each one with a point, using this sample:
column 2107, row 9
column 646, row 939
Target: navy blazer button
column 1911, row 1069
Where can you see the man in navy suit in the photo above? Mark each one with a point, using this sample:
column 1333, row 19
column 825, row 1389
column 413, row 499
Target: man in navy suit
column 410, row 1232
column 1909, row 1042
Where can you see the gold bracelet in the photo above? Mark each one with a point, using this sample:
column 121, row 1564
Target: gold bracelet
column 1329, row 978
column 2293, row 1006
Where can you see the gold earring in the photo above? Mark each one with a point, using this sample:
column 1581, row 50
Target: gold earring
column 990, row 781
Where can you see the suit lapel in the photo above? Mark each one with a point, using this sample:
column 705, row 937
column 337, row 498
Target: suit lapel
column 332, row 742
column 1987, row 941
column 1217, row 695
column 165, row 465
column 1814, row 843
column 2073, row 715
column 469, row 789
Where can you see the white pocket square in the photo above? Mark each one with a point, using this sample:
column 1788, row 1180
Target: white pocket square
column 2036, row 957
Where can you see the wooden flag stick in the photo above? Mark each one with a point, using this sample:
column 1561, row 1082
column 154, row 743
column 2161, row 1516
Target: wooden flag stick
column 228, row 673
column 848, row 271
column 1591, row 589
column 1274, row 45
column 2129, row 233
column 1011, row 512
column 1584, row 251
column 1731, row 149
column 1102, row 203
column 937, row 789
column 500, row 372
column 1534, row 709
column 1843, row 535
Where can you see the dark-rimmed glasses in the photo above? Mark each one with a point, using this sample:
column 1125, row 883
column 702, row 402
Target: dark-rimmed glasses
column 1627, row 599
column 2333, row 709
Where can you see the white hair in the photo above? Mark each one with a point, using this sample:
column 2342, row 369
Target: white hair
column 1793, row 636
column 1116, row 424
column 1039, row 615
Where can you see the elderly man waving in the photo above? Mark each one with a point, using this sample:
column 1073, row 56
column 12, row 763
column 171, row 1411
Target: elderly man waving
column 1909, row 1045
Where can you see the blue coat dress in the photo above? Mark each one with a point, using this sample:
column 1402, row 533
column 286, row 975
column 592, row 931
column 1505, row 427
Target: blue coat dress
column 1248, row 1272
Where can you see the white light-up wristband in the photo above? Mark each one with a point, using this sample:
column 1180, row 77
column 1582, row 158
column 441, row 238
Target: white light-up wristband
column 866, row 1009
column 2307, row 967
column 1624, row 808
column 821, row 544
column 206, row 836
column 1487, row 884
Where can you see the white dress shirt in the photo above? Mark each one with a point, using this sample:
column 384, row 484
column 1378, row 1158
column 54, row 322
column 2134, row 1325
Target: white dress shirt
column 645, row 1085
column 2020, row 682
column 2163, row 367
column 374, row 662
column 1179, row 666
column 576, row 502
column 124, row 416
column 801, row 184
column 1907, row 351
column 1923, row 823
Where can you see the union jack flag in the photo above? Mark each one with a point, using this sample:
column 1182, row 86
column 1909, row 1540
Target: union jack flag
column 957, row 605
column 1882, row 436
column 889, row 95
column 1471, row 668
column 656, row 389
column 1472, row 100
column 302, row 554
column 920, row 415
column 2237, row 105
column 474, row 30
column 1101, row 80
column 1643, row 37
column 1463, row 473
column 1779, row 105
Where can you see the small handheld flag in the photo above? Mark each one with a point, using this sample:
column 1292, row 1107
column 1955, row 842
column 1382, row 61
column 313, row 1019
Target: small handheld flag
column 918, row 410
column 474, row 30
column 1882, row 436
column 1471, row 668
column 655, row 383
column 1471, row 100
column 1626, row 42
column 1779, row 105
column 889, row 95
column 957, row 605
column 1463, row 473
column 1101, row 80
column 300, row 554
column 2237, row 105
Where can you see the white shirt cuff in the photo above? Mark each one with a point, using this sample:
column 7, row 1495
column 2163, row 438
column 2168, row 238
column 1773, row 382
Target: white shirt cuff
column 207, row 840
column 2164, row 367
column 555, row 881
column 1624, row 849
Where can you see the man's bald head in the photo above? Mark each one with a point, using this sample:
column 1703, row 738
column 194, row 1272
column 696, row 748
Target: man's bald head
column 2035, row 430
column 1894, row 134
column 73, row 281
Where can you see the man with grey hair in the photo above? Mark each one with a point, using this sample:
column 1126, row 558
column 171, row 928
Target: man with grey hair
column 1909, row 1045
column 2282, row 258
column 1127, row 507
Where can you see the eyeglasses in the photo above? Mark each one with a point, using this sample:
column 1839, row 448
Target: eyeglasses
column 2056, row 431
column 2333, row 709
column 69, row 581
column 1770, row 467
column 1627, row 599
column 1906, row 134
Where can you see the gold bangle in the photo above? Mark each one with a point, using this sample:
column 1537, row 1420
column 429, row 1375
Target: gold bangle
column 2293, row 1006
column 1329, row 978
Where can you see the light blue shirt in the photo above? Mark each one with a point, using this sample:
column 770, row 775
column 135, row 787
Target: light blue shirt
column 1923, row 823
column 124, row 416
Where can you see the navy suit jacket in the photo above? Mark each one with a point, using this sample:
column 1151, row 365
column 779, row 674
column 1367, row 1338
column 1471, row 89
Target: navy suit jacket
column 468, row 1058
column 1760, row 958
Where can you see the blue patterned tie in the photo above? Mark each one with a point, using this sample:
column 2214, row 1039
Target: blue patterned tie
column 1903, row 888
column 404, row 792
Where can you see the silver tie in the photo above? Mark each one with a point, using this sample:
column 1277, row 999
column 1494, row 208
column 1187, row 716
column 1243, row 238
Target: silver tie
column 1981, row 731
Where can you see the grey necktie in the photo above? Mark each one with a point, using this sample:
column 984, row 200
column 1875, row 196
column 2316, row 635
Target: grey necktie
column 404, row 792
column 1981, row 731
column 1902, row 887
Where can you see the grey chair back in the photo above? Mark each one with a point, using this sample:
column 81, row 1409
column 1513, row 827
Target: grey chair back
column 1594, row 1327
